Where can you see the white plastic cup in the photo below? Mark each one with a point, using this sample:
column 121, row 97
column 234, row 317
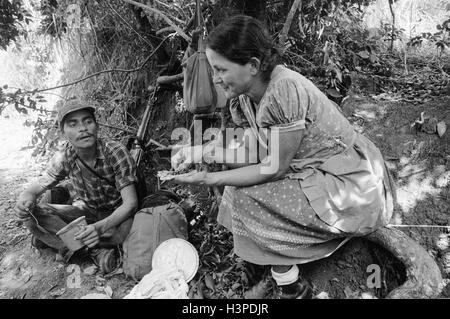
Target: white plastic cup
column 67, row 233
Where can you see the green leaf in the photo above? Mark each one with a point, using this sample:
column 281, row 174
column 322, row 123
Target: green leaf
column 364, row 54
column 338, row 74
column 373, row 58
column 334, row 93
column 441, row 127
column 235, row 286
column 20, row 109
column 209, row 282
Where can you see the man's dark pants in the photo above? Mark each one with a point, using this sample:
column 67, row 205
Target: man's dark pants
column 52, row 218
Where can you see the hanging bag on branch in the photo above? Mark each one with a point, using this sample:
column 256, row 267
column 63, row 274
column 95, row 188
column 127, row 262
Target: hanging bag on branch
column 200, row 94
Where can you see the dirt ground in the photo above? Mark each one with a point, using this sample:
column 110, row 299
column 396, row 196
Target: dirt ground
column 419, row 162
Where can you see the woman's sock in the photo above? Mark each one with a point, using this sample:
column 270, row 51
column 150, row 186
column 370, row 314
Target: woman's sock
column 287, row 277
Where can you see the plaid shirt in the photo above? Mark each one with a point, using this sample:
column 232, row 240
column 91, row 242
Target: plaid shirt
column 113, row 162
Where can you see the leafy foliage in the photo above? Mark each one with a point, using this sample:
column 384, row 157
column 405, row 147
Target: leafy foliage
column 441, row 38
column 327, row 42
column 53, row 23
column 330, row 41
column 12, row 17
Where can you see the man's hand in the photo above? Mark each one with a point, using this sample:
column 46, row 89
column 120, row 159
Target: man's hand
column 23, row 207
column 88, row 236
column 27, row 199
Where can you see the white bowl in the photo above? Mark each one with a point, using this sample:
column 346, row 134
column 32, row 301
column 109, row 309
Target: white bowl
column 179, row 253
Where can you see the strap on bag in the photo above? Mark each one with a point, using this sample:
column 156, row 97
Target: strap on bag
column 200, row 25
column 141, row 194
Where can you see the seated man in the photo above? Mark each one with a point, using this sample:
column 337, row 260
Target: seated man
column 103, row 176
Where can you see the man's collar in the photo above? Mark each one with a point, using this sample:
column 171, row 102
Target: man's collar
column 99, row 149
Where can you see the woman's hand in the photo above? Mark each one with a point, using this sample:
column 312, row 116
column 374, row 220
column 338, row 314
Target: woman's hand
column 194, row 177
column 209, row 149
column 89, row 236
column 186, row 156
column 189, row 155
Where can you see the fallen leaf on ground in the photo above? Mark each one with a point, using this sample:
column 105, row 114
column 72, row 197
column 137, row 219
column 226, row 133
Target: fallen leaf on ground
column 100, row 280
column 258, row 291
column 58, row 292
column 350, row 294
column 441, row 127
column 118, row 271
column 235, row 286
column 199, row 290
column 108, row 290
column 322, row 295
column 368, row 295
column 90, row 270
column 209, row 281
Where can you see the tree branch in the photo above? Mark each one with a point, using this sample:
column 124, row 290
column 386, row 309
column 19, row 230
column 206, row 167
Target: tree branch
column 168, row 79
column 170, row 7
column 31, row 108
column 166, row 29
column 287, row 24
column 101, row 72
column 170, row 22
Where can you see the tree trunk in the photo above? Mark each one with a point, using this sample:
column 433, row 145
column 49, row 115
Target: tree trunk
column 287, row 25
column 393, row 23
column 423, row 274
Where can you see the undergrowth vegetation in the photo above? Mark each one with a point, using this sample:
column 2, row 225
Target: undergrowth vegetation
column 114, row 52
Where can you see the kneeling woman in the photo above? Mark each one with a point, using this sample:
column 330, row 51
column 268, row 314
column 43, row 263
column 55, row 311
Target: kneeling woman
column 330, row 183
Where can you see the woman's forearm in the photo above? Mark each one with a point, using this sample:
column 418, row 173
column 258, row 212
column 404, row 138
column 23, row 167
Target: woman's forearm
column 233, row 158
column 241, row 177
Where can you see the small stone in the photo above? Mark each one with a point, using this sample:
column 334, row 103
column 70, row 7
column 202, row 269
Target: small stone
column 442, row 242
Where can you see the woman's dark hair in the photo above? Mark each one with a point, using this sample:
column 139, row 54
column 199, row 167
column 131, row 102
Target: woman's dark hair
column 241, row 38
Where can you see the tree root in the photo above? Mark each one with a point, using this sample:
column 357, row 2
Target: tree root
column 423, row 275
